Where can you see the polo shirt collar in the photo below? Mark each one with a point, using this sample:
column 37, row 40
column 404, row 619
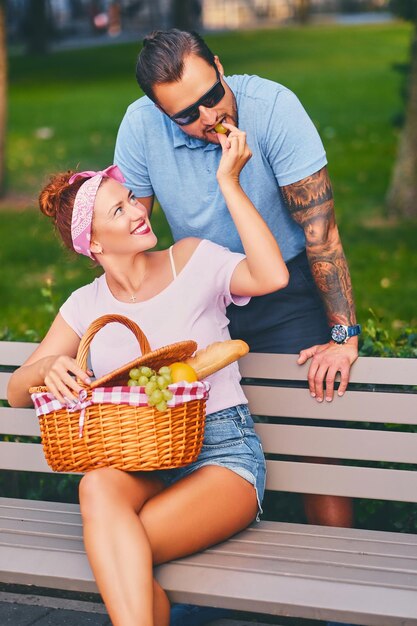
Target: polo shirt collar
column 181, row 139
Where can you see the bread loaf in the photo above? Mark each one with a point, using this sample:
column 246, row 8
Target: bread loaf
column 216, row 356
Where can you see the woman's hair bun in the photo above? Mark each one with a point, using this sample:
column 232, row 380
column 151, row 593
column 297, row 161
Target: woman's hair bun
column 50, row 197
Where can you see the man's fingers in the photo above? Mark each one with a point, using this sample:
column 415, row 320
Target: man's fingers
column 229, row 126
column 306, row 354
column 344, row 380
column 319, row 382
column 311, row 377
column 224, row 141
column 330, row 378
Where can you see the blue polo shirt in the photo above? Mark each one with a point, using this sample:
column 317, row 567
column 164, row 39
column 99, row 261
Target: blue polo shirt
column 157, row 157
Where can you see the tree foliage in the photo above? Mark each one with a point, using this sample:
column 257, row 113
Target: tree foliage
column 406, row 9
column 402, row 194
column 3, row 94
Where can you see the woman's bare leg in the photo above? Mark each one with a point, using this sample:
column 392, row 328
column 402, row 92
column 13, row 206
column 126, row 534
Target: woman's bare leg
column 118, row 547
column 198, row 511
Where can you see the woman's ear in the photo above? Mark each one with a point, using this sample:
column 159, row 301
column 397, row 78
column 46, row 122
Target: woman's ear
column 96, row 248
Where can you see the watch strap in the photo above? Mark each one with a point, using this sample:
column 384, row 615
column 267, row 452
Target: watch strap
column 353, row 331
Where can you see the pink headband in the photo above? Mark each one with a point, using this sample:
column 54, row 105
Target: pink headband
column 82, row 213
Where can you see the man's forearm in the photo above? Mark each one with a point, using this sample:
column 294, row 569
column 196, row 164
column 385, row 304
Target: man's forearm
column 310, row 203
column 331, row 275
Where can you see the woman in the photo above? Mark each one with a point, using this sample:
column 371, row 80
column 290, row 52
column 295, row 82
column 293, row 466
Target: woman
column 133, row 521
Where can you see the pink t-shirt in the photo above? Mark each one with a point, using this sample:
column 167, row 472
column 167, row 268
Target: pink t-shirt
column 192, row 306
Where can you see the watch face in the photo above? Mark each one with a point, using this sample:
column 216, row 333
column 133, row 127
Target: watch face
column 338, row 333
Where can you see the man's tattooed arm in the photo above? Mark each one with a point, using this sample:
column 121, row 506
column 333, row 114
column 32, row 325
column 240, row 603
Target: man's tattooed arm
column 310, row 203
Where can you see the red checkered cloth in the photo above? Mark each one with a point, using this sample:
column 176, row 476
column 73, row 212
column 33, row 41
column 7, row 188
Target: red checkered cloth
column 46, row 403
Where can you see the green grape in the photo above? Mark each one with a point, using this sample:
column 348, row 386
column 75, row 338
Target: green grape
column 168, row 377
column 146, row 371
column 153, row 378
column 151, row 402
column 165, row 370
column 167, row 394
column 156, row 396
column 132, row 383
column 162, row 382
column 150, row 387
column 134, row 373
column 161, row 406
column 143, row 380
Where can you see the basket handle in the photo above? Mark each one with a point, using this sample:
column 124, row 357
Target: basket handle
column 97, row 325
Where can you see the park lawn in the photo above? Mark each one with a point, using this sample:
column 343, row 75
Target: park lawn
column 65, row 110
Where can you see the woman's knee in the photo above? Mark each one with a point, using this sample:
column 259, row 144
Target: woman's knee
column 96, row 489
column 104, row 490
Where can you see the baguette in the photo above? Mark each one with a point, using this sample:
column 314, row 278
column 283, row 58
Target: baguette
column 216, row 356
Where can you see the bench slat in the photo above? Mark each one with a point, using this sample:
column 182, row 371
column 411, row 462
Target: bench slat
column 37, row 506
column 331, row 565
column 374, row 370
column 360, row 406
column 340, row 480
column 15, row 352
column 301, row 546
column 27, row 457
column 4, row 379
column 269, row 592
column 292, row 596
column 339, row 443
column 363, row 406
column 58, row 514
column 364, row 591
column 282, row 475
column 19, row 422
column 282, row 439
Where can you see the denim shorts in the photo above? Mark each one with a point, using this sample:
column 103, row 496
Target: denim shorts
column 229, row 441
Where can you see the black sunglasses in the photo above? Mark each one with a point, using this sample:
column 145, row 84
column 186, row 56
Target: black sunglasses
column 209, row 99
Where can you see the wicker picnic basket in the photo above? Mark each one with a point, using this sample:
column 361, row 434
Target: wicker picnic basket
column 132, row 438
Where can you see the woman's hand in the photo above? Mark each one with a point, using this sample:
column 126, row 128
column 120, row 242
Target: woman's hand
column 59, row 372
column 236, row 154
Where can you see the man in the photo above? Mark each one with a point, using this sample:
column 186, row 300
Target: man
column 167, row 147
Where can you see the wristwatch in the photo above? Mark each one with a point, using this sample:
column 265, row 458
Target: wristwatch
column 340, row 333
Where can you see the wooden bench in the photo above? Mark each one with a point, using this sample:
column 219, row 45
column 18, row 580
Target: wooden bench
column 359, row 576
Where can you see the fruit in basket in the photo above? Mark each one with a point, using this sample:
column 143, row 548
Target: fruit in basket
column 182, row 371
column 155, row 384
column 216, row 356
column 134, row 373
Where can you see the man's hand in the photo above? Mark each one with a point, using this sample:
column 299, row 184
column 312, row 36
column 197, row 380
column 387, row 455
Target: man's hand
column 326, row 360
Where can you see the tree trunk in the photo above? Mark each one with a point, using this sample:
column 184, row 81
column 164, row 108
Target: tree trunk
column 402, row 194
column 3, row 95
column 302, row 11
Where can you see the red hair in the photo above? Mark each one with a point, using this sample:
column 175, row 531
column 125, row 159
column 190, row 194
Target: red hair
column 56, row 200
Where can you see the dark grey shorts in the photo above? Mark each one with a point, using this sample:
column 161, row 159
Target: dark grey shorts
column 286, row 321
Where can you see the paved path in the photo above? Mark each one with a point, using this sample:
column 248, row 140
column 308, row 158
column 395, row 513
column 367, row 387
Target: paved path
column 27, row 610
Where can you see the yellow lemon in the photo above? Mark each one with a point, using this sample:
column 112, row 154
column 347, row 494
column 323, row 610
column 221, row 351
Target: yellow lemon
column 182, row 371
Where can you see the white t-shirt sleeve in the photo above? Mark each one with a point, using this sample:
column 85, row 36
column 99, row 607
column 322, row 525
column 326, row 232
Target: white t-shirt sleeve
column 223, row 263
column 71, row 311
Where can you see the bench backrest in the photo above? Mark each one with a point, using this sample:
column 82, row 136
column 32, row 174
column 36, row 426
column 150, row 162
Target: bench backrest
column 361, row 428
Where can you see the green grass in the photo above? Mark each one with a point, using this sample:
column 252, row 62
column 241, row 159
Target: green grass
column 346, row 79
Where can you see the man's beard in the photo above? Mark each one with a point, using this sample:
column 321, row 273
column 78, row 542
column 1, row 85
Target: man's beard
column 207, row 136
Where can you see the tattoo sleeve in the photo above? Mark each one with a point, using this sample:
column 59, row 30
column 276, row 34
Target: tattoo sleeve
column 310, row 203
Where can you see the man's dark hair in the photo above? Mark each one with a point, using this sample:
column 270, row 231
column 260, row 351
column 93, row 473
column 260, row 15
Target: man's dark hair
column 161, row 59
